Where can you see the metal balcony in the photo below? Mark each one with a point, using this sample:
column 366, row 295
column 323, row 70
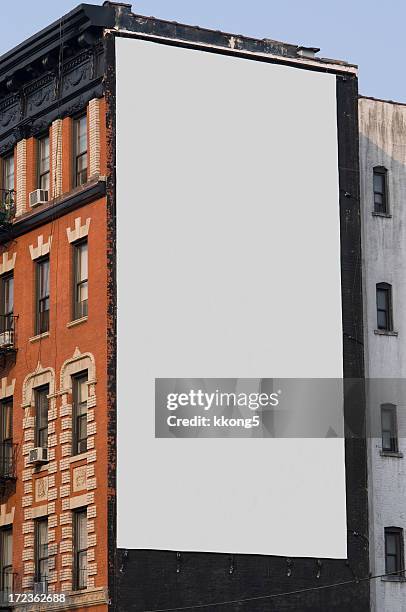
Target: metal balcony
column 9, row 584
column 7, row 212
column 8, row 453
column 8, row 335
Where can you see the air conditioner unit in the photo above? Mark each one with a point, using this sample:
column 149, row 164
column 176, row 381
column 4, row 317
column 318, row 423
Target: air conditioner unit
column 39, row 196
column 40, row 587
column 6, row 339
column 38, row 455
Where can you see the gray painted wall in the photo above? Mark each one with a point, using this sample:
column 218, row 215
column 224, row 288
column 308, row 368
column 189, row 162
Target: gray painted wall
column 383, row 143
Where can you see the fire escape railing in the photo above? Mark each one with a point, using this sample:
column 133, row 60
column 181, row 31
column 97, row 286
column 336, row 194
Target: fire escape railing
column 7, row 206
column 10, row 582
column 8, row 460
column 8, row 333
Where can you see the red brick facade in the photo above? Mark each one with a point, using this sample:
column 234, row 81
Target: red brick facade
column 68, row 481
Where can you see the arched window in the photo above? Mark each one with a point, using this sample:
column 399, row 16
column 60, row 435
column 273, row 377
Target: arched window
column 384, row 306
column 380, row 190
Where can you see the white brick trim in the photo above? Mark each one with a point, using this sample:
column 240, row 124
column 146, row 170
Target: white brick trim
column 7, row 389
column 21, row 174
column 94, row 138
column 79, row 231
column 6, row 518
column 42, row 248
column 7, row 263
column 56, row 158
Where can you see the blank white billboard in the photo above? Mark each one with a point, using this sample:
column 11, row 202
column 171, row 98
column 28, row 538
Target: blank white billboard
column 228, row 266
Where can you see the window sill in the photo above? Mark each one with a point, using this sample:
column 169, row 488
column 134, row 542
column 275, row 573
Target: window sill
column 393, row 579
column 391, row 454
column 80, row 457
column 76, row 322
column 379, row 214
column 39, row 337
column 385, row 332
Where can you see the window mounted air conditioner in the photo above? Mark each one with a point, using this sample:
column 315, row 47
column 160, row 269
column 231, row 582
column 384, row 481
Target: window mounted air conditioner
column 38, row 455
column 39, row 196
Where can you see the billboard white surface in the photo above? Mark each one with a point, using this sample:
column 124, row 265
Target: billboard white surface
column 228, row 265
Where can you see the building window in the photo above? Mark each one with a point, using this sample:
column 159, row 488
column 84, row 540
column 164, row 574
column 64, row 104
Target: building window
column 8, row 172
column 79, row 390
column 384, row 306
column 43, row 163
column 389, row 428
column 80, row 549
column 42, row 310
column 41, row 416
column 394, row 562
column 6, row 438
column 80, row 150
column 6, row 562
column 6, row 305
column 80, row 273
column 7, row 182
column 380, row 190
column 41, row 550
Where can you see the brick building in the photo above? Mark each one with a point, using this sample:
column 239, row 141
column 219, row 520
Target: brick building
column 53, row 340
column 57, row 335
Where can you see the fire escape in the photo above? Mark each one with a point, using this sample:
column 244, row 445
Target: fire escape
column 8, row 321
column 7, row 344
column 7, row 213
column 8, row 457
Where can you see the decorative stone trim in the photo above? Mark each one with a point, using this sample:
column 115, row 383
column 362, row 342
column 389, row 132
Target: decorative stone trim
column 78, row 501
column 39, row 337
column 41, row 376
column 78, row 362
column 56, row 158
column 41, row 489
column 6, row 518
column 94, row 138
column 7, row 390
column 40, row 511
column 21, row 172
column 76, row 322
column 42, row 248
column 7, row 263
column 79, row 231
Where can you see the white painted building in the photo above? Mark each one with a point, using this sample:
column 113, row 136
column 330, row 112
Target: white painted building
column 382, row 127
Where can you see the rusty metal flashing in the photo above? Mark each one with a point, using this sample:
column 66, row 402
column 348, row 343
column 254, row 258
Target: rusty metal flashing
column 317, row 64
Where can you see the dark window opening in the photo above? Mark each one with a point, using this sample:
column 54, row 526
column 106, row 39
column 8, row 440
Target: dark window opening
column 80, row 549
column 384, row 306
column 7, row 181
column 380, row 190
column 42, row 309
column 394, row 561
column 80, row 273
column 41, row 550
column 43, row 163
column 6, row 305
column 389, row 428
column 41, row 416
column 80, row 150
column 6, row 438
column 6, row 562
column 80, row 394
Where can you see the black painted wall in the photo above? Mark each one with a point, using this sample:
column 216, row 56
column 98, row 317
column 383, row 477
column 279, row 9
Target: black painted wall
column 161, row 580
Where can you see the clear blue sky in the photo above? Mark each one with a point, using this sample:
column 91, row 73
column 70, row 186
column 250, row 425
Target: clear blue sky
column 369, row 33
